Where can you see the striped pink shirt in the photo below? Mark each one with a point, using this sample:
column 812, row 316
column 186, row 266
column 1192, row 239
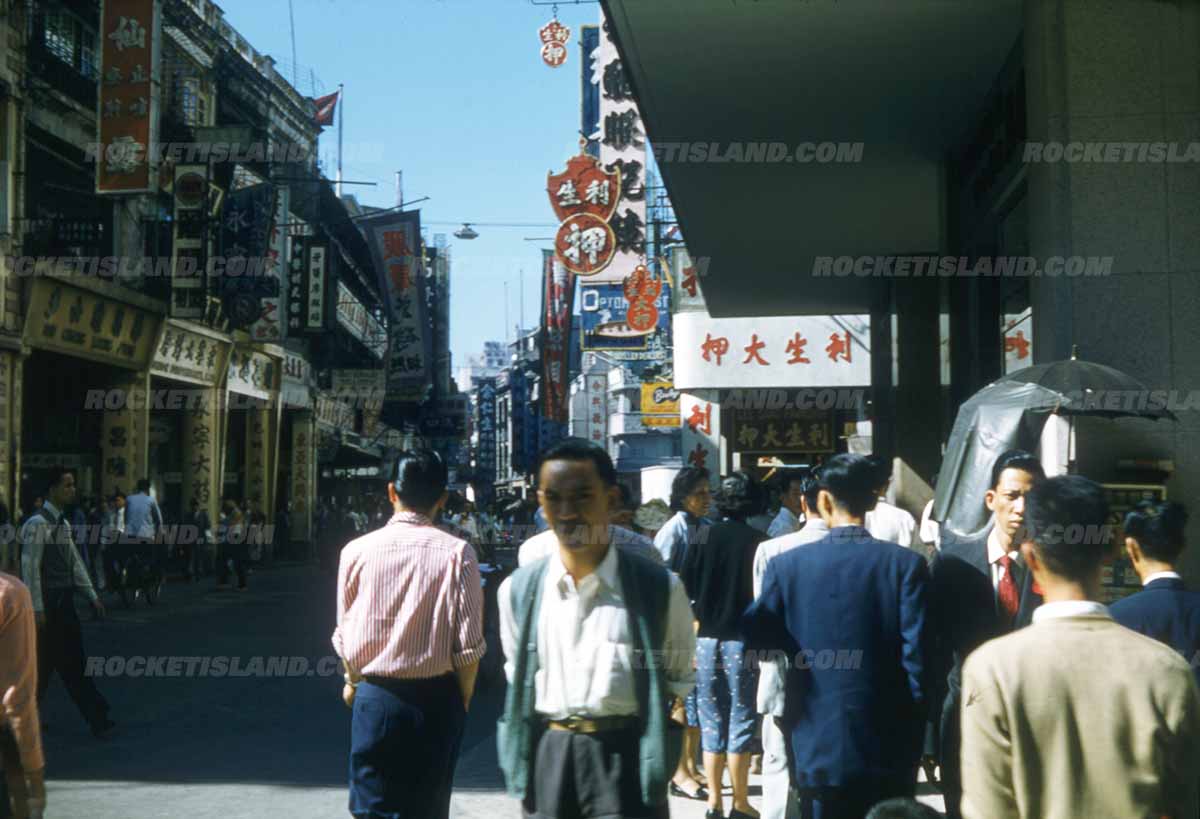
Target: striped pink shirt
column 410, row 603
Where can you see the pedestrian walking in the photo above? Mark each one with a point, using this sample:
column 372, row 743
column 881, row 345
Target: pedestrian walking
column 598, row 645
column 54, row 572
column 691, row 497
column 22, row 785
column 143, row 528
column 1165, row 608
column 791, row 510
column 855, row 726
column 979, row 589
column 1034, row 742
column 231, row 539
column 719, row 577
column 888, row 521
column 778, row 799
column 410, row 634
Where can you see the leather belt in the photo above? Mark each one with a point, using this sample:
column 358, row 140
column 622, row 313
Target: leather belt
column 592, row 725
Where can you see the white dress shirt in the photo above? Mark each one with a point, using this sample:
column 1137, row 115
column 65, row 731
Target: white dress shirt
column 1070, row 608
column 994, row 553
column 546, row 543
column 785, row 523
column 891, row 523
column 585, row 648
column 675, row 534
column 771, row 675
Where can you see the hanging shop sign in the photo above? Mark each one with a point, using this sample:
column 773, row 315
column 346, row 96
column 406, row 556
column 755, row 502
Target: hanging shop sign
column 605, row 316
column 357, row 320
column 184, row 354
column 252, row 373
column 554, row 36
column 584, row 197
column 395, row 241
column 778, row 431
column 333, row 413
column 249, row 284
column 622, row 149
column 700, row 419
column 269, row 326
column 558, row 293
column 296, row 384
column 686, row 274
column 78, row 322
column 127, row 98
column 771, row 351
column 660, row 404
column 190, row 241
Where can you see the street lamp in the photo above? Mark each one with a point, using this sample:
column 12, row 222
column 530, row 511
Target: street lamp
column 466, row 232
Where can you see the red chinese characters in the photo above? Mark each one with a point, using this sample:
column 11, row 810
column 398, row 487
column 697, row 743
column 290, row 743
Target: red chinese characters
column 1017, row 344
column 641, row 290
column 717, row 347
column 689, row 281
column 795, row 349
column 701, row 419
column 698, row 457
column 752, row 351
column 839, row 347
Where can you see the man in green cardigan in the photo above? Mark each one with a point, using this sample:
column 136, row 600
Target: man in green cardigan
column 598, row 646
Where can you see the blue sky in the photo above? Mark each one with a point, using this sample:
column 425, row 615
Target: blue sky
column 455, row 94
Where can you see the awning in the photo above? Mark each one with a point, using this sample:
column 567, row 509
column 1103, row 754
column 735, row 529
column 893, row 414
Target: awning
column 906, row 79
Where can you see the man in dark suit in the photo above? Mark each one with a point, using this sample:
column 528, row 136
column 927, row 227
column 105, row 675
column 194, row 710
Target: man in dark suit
column 1165, row 609
column 849, row 613
column 980, row 589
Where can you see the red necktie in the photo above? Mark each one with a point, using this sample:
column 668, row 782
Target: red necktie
column 1007, row 595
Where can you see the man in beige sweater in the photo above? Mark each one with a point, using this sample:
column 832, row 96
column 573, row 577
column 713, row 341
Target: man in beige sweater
column 1077, row 716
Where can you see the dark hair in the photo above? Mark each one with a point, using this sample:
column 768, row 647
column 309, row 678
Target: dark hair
column 577, row 449
column 419, row 479
column 902, row 808
column 1065, row 517
column 740, row 496
column 143, row 485
column 1017, row 459
column 882, row 468
column 54, row 478
column 810, row 487
column 790, row 477
column 685, row 483
column 1158, row 529
column 851, row 481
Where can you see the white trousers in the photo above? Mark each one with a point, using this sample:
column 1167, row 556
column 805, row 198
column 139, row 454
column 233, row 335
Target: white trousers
column 779, row 802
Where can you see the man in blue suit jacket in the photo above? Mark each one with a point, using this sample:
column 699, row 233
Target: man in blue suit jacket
column 1164, row 609
column 849, row 612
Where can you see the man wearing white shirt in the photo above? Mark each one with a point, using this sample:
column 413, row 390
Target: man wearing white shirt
column 791, row 507
column 1034, row 741
column 778, row 801
column 598, row 644
column 887, row 521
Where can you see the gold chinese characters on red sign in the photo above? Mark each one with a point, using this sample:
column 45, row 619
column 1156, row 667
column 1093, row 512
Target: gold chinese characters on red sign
column 127, row 98
column 584, row 197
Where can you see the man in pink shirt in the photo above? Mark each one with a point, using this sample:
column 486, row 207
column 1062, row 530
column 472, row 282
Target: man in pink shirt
column 410, row 634
column 19, row 728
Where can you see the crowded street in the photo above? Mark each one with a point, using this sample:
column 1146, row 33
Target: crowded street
column 599, row 409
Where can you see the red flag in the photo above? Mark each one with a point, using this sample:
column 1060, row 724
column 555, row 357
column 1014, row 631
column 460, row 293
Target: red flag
column 325, row 106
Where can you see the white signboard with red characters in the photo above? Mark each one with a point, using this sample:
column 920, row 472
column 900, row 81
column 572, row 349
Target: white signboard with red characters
column 772, row 351
column 700, row 417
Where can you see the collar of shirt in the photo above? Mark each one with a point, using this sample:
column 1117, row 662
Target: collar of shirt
column 415, row 518
column 53, row 510
column 995, row 551
column 605, row 573
column 1070, row 608
column 1161, row 576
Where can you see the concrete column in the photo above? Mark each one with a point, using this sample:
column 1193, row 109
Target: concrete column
column 1121, row 71
column 883, row 405
column 918, row 389
column 125, row 447
column 201, row 459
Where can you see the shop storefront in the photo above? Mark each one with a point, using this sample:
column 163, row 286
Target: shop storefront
column 187, row 418
column 86, row 383
column 252, row 441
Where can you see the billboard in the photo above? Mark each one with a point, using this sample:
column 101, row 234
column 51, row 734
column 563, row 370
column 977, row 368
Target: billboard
column 660, row 404
column 127, row 102
column 604, row 311
column 558, row 292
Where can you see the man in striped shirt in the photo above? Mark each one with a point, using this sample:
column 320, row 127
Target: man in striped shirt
column 410, row 633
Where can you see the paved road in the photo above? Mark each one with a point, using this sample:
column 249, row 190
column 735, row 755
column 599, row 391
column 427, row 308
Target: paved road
column 232, row 747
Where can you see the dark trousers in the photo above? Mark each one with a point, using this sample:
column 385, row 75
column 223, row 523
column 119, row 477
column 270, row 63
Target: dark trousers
column 578, row 776
column 405, row 737
column 856, row 800
column 237, row 553
column 60, row 648
column 951, row 744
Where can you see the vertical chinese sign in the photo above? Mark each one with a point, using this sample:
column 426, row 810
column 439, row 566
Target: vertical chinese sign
column 395, row 241
column 485, row 447
column 700, row 415
column 127, row 102
column 249, row 283
column 622, row 150
column 269, row 326
column 596, row 412
column 558, row 291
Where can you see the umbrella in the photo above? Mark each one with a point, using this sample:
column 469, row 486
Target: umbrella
column 1088, row 388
